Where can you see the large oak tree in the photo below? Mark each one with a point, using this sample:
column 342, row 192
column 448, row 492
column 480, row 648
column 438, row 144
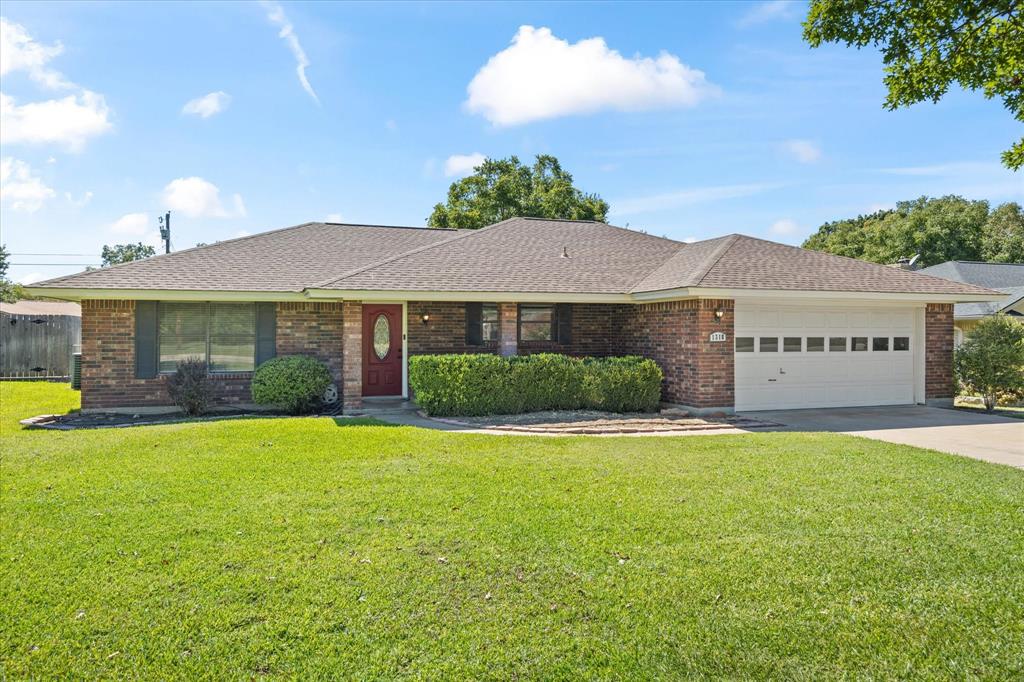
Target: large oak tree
column 929, row 45
column 505, row 188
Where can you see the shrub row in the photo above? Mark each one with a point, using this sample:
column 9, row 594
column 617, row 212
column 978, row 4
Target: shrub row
column 481, row 384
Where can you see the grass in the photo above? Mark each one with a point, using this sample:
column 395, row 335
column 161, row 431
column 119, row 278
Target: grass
column 1017, row 412
column 300, row 548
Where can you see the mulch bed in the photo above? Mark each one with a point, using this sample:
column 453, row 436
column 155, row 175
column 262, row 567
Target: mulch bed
column 593, row 422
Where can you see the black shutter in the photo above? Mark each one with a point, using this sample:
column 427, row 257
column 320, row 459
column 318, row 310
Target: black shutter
column 266, row 332
column 474, row 324
column 145, row 339
column 563, row 322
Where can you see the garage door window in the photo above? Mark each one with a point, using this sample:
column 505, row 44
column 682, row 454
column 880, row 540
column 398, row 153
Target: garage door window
column 901, row 343
column 837, row 344
column 815, row 344
column 744, row 344
column 769, row 344
column 880, row 343
column 859, row 343
column 793, row 344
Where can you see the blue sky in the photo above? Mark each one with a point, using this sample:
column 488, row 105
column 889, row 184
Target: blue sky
column 693, row 120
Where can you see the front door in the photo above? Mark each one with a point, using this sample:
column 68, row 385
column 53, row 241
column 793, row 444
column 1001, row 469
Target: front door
column 382, row 349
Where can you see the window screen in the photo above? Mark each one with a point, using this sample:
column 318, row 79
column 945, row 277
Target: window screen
column 535, row 322
column 232, row 337
column 744, row 344
column 221, row 334
column 182, row 333
column 489, row 321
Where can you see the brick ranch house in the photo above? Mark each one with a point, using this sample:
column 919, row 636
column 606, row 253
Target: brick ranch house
column 735, row 322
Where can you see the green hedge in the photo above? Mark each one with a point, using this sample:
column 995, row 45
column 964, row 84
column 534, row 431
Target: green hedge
column 294, row 383
column 480, row 384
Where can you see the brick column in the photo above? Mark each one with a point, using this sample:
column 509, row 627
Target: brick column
column 352, row 356
column 938, row 353
column 508, row 329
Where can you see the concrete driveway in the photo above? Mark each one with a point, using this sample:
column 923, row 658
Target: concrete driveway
column 981, row 436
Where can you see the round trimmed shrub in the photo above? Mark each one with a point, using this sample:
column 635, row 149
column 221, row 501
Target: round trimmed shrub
column 293, row 383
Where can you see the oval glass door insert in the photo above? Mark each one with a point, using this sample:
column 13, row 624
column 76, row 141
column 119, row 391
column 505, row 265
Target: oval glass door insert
column 381, row 336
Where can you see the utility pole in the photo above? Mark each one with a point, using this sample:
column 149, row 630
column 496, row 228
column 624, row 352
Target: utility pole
column 165, row 231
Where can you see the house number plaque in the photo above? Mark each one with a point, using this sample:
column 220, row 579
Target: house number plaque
column 717, row 337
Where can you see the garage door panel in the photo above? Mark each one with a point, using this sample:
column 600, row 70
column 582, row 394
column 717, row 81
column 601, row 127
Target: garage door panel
column 828, row 378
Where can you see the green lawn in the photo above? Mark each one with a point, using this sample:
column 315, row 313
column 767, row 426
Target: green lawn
column 304, row 548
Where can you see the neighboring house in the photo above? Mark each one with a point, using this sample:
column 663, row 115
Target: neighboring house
column 37, row 339
column 734, row 322
column 1007, row 278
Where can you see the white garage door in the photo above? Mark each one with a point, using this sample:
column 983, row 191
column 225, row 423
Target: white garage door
column 791, row 357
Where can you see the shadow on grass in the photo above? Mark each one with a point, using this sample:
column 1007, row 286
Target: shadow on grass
column 361, row 421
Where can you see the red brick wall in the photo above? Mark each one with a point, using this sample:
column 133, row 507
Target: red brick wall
column 352, row 356
column 108, row 353
column 445, row 332
column 938, row 351
column 312, row 328
column 676, row 335
column 108, row 363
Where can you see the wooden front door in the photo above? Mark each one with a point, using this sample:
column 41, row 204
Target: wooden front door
column 382, row 349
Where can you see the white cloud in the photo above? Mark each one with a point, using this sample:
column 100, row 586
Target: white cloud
column 135, row 224
column 78, row 203
column 784, row 228
column 804, row 151
column 767, row 11
column 333, row 218
column 690, row 240
column 687, row 197
column 70, row 121
column 276, row 15
column 31, row 278
column 197, row 198
column 19, row 188
column 462, row 164
column 207, row 105
column 541, row 76
column 22, row 53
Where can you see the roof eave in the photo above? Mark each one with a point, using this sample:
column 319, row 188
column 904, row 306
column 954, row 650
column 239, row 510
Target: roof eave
column 467, row 296
column 805, row 294
column 78, row 294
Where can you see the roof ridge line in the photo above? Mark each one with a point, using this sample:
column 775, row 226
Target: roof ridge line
column 717, row 255
column 323, row 283
column 683, row 246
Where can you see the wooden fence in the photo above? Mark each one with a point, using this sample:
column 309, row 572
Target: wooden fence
column 38, row 346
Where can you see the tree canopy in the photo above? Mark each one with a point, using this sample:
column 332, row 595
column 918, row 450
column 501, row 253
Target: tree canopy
column 125, row 253
column 991, row 361
column 505, row 188
column 929, row 45
column 9, row 291
column 942, row 229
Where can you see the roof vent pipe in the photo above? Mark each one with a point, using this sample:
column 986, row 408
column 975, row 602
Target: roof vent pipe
column 565, row 252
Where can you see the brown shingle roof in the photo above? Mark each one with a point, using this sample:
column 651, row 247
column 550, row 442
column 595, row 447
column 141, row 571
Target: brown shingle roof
column 522, row 254
column 516, row 255
column 289, row 259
